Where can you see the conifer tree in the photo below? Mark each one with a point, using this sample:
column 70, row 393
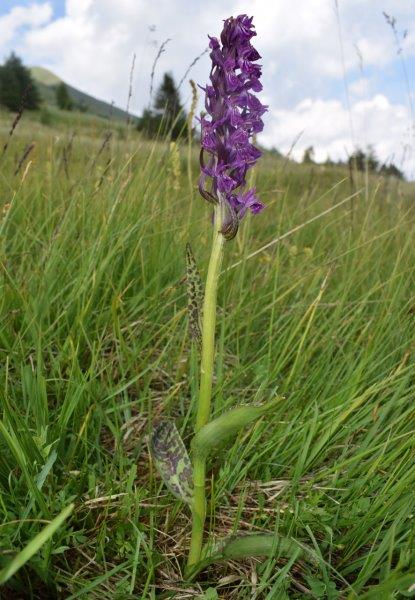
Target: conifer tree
column 167, row 114
column 63, row 99
column 167, row 100
column 308, row 156
column 17, row 87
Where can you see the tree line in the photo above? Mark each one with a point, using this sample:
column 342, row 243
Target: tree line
column 18, row 90
column 164, row 116
column 360, row 160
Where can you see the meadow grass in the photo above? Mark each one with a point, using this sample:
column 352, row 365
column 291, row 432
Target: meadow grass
column 95, row 348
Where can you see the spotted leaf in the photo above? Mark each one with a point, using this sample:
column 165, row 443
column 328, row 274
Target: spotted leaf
column 194, row 296
column 172, row 460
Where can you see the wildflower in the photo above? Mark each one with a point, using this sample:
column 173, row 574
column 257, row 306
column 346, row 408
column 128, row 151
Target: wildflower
column 233, row 117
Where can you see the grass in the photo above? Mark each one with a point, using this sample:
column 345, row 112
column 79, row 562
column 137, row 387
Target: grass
column 94, row 349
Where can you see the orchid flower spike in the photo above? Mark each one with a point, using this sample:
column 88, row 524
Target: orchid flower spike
column 233, row 117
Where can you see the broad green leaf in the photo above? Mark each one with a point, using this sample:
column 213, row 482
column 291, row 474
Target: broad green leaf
column 172, row 460
column 194, row 296
column 261, row 544
column 210, row 438
column 254, row 544
column 34, row 545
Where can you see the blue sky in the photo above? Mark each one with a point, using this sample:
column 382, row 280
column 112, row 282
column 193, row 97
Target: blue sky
column 90, row 44
column 7, row 5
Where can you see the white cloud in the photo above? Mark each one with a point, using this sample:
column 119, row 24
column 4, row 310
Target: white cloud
column 92, row 45
column 299, row 41
column 325, row 125
column 32, row 16
column 359, row 87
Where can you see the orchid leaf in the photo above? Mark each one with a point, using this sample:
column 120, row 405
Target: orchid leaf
column 212, row 436
column 172, row 460
column 249, row 545
column 245, row 546
column 194, row 296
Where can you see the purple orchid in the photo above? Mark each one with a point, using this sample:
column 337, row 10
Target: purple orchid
column 233, row 117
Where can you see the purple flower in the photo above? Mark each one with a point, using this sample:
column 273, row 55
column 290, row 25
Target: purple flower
column 233, row 117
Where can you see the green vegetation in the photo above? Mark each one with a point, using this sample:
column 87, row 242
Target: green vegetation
column 316, row 304
column 167, row 115
column 63, row 99
column 49, row 84
column 17, row 88
column 363, row 161
column 37, row 87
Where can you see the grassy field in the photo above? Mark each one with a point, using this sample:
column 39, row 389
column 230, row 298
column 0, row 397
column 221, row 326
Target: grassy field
column 94, row 349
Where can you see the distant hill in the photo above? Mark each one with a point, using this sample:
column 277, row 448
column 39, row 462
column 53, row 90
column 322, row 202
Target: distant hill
column 47, row 83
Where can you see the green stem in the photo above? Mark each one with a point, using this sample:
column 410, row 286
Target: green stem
column 206, row 378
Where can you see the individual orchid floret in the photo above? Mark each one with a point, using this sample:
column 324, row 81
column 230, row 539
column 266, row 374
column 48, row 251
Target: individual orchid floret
column 233, row 117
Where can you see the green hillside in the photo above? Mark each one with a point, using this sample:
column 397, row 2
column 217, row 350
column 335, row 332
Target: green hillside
column 47, row 83
column 44, row 76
